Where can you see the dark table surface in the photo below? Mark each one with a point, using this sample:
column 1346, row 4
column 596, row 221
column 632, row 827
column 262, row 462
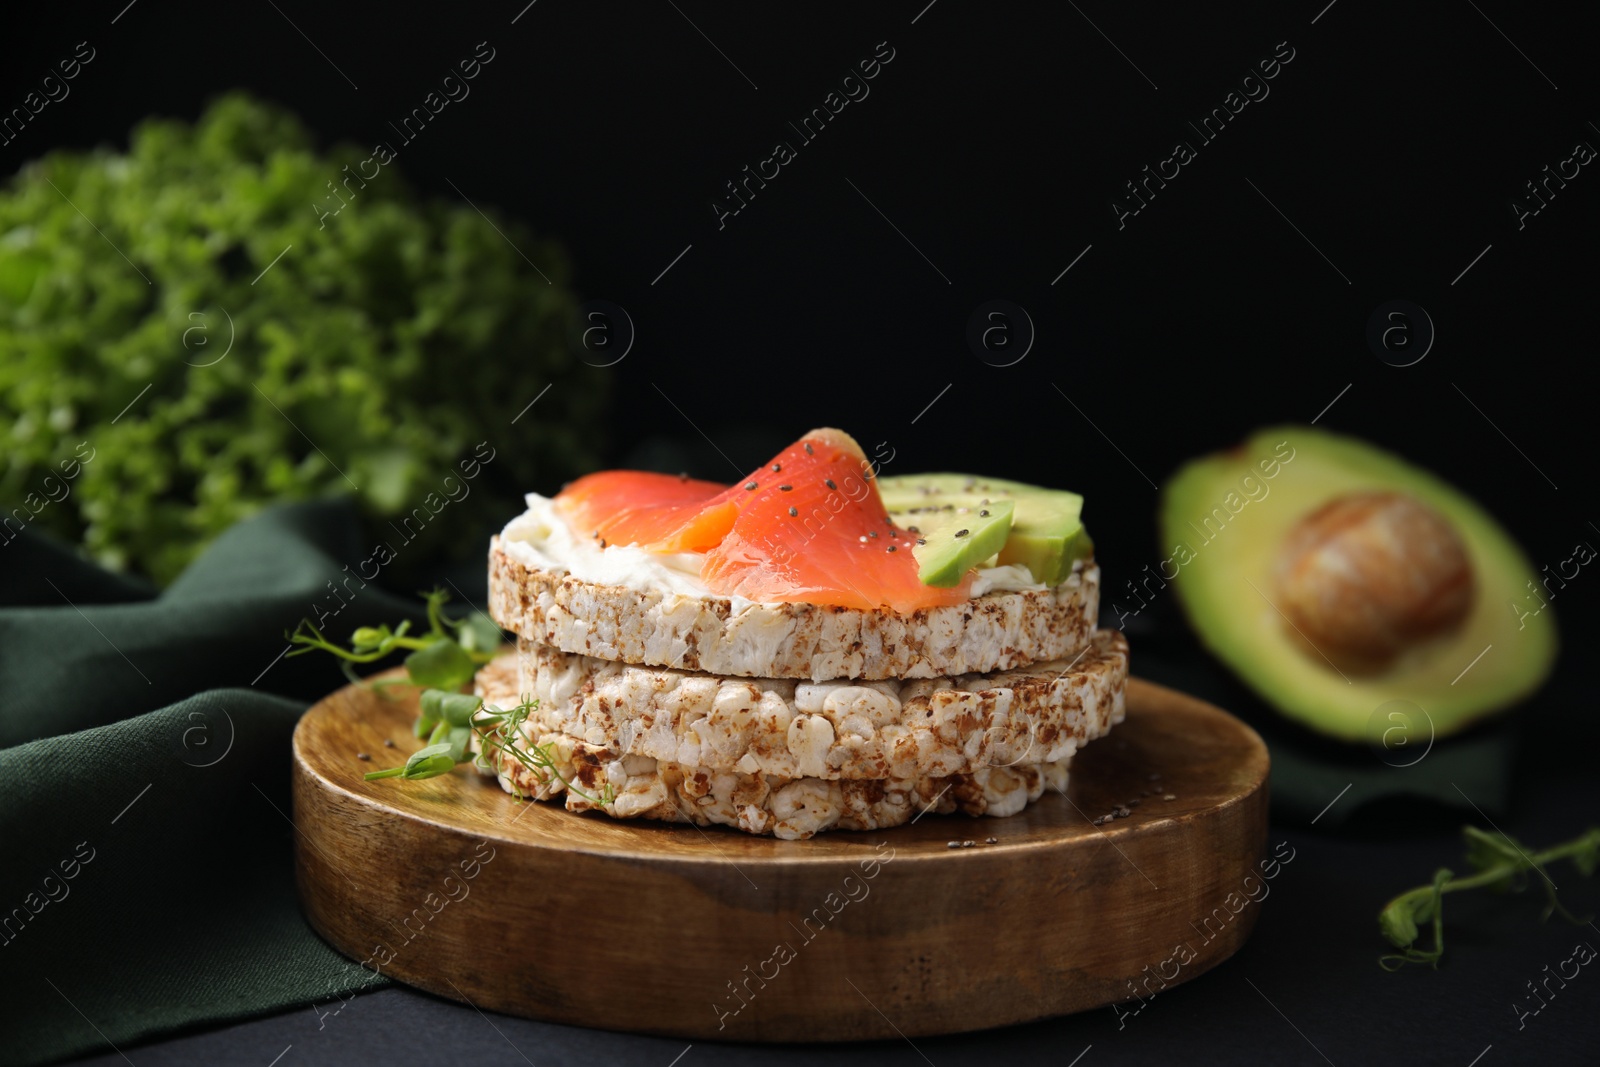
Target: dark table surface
column 1306, row 989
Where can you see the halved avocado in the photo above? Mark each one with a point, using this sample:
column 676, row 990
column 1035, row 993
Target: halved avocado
column 1047, row 534
column 1247, row 528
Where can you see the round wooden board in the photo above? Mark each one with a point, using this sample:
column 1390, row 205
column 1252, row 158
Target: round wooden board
column 453, row 886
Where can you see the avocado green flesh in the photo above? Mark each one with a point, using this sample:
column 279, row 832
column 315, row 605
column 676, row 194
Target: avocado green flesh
column 1049, row 559
column 954, row 540
column 1218, row 561
column 1046, row 534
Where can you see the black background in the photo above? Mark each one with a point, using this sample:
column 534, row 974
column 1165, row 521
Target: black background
column 995, row 142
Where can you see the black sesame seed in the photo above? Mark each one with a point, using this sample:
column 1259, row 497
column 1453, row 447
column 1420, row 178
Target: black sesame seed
column 794, row 511
column 872, row 533
column 891, row 548
column 912, row 529
column 829, row 483
column 922, row 540
column 602, row 542
column 362, row 755
column 751, row 486
column 983, row 514
column 962, row 533
column 776, row 467
column 785, row 488
column 808, row 449
column 388, row 742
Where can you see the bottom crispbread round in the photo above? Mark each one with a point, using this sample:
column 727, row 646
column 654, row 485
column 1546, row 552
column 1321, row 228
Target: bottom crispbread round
column 835, row 730
column 791, row 807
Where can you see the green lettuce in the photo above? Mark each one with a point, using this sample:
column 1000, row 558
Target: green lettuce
column 371, row 358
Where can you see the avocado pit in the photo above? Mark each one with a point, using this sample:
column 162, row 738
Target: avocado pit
column 1370, row 575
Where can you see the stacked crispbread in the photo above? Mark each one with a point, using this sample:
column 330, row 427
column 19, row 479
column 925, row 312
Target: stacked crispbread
column 790, row 719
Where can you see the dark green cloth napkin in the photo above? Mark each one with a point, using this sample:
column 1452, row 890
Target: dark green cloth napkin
column 148, row 879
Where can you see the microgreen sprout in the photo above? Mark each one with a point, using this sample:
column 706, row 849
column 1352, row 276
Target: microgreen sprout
column 442, row 662
column 450, row 720
column 1500, row 863
column 444, row 657
column 497, row 735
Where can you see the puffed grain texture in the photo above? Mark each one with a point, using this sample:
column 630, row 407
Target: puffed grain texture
column 587, row 776
column 994, row 632
column 835, row 730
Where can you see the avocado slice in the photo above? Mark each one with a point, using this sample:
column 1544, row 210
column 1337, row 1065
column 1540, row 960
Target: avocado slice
column 1046, row 536
column 952, row 540
column 1227, row 521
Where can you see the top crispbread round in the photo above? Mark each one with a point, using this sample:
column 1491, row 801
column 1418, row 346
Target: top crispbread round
column 994, row 632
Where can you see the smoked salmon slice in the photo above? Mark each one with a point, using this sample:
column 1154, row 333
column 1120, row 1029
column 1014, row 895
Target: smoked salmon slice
column 807, row 527
column 658, row 511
